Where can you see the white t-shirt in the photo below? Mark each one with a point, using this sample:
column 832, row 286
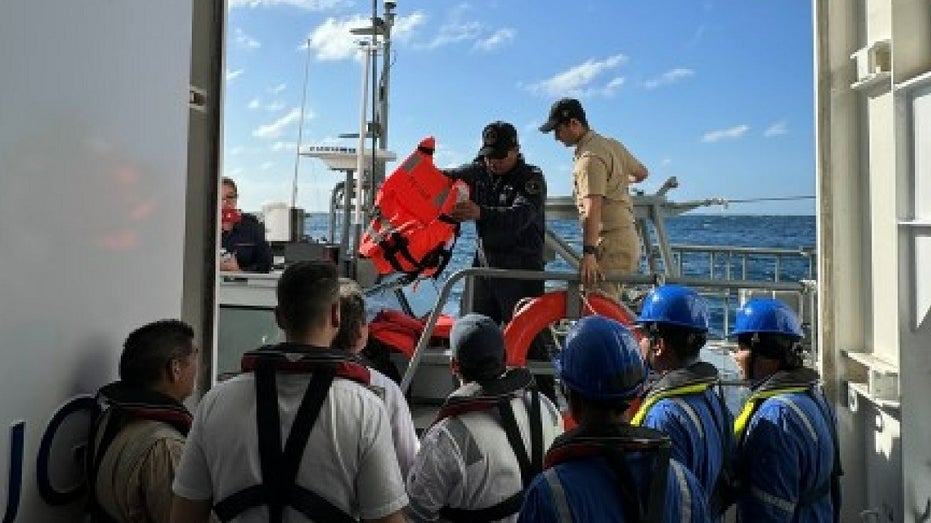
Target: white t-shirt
column 467, row 462
column 403, row 432
column 349, row 459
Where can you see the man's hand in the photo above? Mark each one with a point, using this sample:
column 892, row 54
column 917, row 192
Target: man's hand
column 464, row 211
column 229, row 264
column 588, row 271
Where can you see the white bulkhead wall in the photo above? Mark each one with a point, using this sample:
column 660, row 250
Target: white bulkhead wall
column 93, row 166
column 873, row 107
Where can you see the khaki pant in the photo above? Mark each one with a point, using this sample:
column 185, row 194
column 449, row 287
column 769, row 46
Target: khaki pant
column 618, row 252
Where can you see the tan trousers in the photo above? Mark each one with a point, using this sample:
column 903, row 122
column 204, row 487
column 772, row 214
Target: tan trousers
column 618, row 252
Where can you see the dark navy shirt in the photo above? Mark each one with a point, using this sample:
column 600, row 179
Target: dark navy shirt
column 246, row 241
column 513, row 220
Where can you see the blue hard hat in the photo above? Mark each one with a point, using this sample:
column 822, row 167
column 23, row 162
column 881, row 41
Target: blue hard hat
column 675, row 305
column 767, row 315
column 601, row 360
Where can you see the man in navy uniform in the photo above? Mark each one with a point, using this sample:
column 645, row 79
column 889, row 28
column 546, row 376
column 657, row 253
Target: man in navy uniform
column 507, row 204
column 242, row 236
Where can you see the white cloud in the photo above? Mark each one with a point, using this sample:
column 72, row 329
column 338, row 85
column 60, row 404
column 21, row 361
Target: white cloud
column 453, row 32
column 266, row 166
column 498, row 39
column 279, row 88
column 308, row 5
column 665, row 162
column 611, row 87
column 459, row 28
column 232, row 75
column 272, row 107
column 776, row 129
column 669, row 77
column 578, row 80
column 332, row 40
column 726, row 134
column 245, row 41
column 283, row 146
column 276, row 128
column 404, row 26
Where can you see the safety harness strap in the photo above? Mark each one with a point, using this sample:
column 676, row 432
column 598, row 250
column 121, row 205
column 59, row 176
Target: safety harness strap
column 116, row 405
column 721, row 497
column 304, row 501
column 725, row 486
column 500, row 396
column 612, row 443
column 94, row 458
column 398, row 245
column 831, row 485
column 563, row 512
column 279, row 469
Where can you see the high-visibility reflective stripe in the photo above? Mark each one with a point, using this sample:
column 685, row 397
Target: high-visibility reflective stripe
column 685, row 506
column 740, row 424
column 782, row 504
column 563, row 514
column 690, row 412
column 440, row 198
column 801, row 414
column 654, row 398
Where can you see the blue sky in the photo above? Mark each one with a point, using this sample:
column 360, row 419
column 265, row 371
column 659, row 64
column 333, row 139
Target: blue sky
column 717, row 93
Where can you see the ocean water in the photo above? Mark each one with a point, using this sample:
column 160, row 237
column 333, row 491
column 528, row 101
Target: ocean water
column 795, row 233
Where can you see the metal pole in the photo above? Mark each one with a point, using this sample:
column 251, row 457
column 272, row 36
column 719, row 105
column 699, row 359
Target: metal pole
column 385, row 75
column 300, row 132
column 360, row 153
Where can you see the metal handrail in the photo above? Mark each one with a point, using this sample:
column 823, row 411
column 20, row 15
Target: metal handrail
column 573, row 278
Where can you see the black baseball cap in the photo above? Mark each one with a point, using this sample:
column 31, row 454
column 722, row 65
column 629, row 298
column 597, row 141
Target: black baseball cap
column 478, row 343
column 497, row 139
column 562, row 111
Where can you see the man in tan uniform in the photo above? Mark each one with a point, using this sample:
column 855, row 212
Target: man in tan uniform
column 136, row 442
column 602, row 172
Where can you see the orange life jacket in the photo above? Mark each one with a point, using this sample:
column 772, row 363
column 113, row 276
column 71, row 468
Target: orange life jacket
column 411, row 231
column 401, row 332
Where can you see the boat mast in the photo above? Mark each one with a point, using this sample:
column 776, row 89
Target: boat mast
column 300, row 132
column 377, row 127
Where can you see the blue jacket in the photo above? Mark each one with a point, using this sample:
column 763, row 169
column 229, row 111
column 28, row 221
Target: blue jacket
column 684, row 406
column 587, row 489
column 512, row 223
column 787, row 438
column 246, row 241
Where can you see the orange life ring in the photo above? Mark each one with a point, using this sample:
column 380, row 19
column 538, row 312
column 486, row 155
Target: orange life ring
column 539, row 312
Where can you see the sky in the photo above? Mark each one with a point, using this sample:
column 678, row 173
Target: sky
column 718, row 94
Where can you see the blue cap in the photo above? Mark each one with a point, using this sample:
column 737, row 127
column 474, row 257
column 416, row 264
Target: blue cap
column 675, row 305
column 478, row 344
column 767, row 315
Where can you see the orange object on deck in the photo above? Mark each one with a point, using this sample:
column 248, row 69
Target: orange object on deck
column 541, row 311
column 401, row 332
column 411, row 231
